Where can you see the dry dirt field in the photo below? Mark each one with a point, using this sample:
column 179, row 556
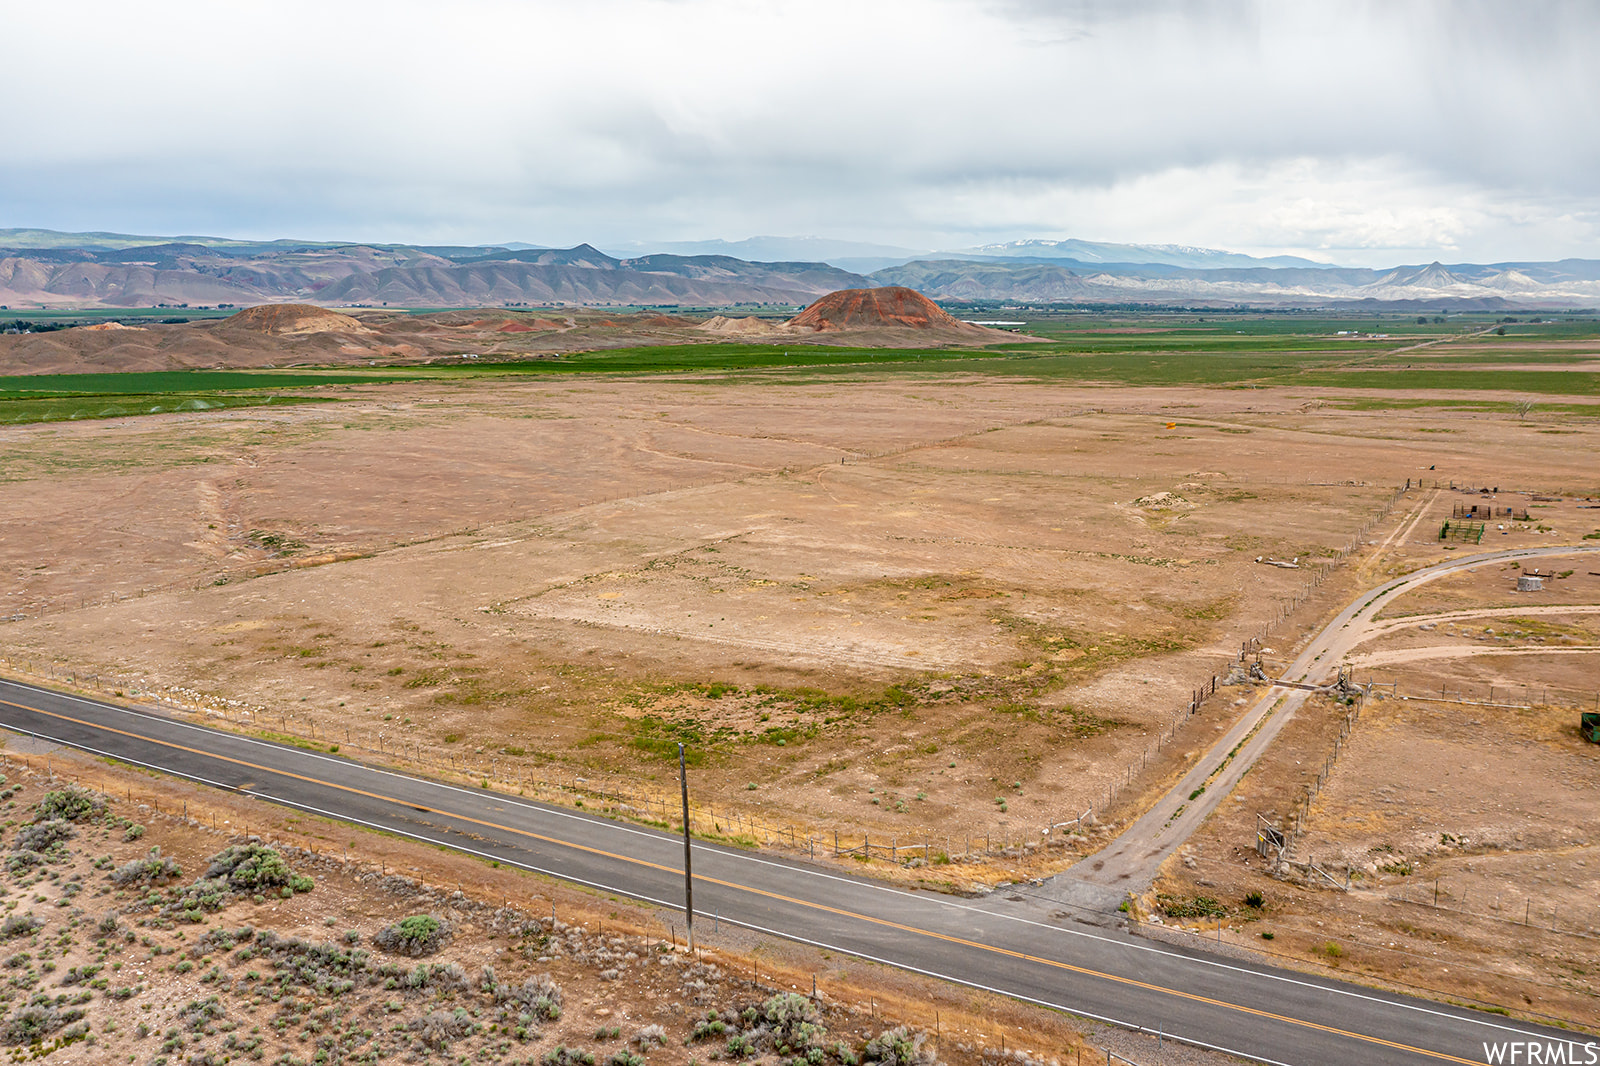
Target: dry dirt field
column 925, row 607
column 1464, row 806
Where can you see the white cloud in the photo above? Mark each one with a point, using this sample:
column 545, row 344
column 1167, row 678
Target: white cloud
column 1356, row 130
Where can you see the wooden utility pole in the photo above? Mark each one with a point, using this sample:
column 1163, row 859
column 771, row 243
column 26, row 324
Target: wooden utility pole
column 688, row 859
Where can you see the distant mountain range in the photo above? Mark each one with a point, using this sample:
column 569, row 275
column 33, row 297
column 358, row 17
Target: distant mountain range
column 1568, row 284
column 113, row 274
column 42, row 268
column 847, row 255
column 852, row 255
column 1177, row 255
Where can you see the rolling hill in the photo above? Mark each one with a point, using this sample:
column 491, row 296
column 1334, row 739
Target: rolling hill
column 185, row 273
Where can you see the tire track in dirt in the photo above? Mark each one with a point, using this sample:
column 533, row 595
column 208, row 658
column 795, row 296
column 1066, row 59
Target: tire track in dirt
column 1389, row 625
column 1413, row 655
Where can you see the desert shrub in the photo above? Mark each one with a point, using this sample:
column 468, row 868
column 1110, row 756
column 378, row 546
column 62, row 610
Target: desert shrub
column 650, row 1036
column 197, row 1014
column 152, row 868
column 206, row 894
column 714, row 1025
column 70, row 804
column 561, row 1055
column 437, row 1028
column 42, row 836
column 417, row 935
column 794, row 1020
column 132, row 833
column 900, row 1046
column 20, row 862
column 221, row 940
column 440, row 977
column 30, row 1025
column 249, row 867
column 20, row 925
column 625, row 1058
column 538, row 996
column 237, row 869
column 79, row 974
column 328, row 968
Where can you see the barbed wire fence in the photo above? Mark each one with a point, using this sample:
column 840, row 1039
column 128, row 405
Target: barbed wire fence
column 1208, row 933
column 1514, row 909
column 1120, row 786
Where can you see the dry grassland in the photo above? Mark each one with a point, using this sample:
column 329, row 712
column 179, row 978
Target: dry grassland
column 886, row 604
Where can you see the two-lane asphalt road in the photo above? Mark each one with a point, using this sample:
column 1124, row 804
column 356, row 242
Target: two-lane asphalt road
column 1271, row 1015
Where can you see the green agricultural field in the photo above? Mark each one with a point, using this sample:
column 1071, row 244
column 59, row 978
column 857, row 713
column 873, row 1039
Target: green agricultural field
column 169, row 382
column 1248, row 351
column 91, row 316
column 75, row 408
column 71, row 397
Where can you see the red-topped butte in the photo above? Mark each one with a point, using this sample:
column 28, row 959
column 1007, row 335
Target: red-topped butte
column 279, row 320
column 892, row 307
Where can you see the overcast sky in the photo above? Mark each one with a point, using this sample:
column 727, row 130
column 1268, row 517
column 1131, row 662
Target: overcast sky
column 1368, row 134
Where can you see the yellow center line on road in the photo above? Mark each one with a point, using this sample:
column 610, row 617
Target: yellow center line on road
column 886, row 923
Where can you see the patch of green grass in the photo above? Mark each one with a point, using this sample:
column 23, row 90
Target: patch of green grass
column 80, row 408
column 1190, row 907
column 291, row 740
column 660, row 736
column 785, row 735
column 1548, row 382
column 72, row 397
column 177, row 382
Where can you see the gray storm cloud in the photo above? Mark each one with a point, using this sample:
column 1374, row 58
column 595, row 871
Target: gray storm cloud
column 1356, row 131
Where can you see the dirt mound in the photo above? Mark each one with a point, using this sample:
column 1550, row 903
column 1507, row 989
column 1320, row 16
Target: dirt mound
column 281, row 320
column 742, row 327
column 107, row 327
column 891, row 307
column 513, row 325
column 1161, row 501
